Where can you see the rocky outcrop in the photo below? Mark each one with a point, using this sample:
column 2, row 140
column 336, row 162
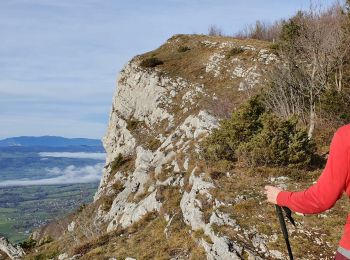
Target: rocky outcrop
column 221, row 247
column 147, row 96
column 158, row 119
column 167, row 109
column 14, row 252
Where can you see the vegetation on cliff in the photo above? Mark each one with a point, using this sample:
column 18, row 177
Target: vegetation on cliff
column 259, row 138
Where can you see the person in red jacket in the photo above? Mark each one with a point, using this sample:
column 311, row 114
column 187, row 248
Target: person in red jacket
column 333, row 182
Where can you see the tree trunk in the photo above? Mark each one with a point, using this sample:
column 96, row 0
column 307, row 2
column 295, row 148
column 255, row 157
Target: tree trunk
column 312, row 121
column 340, row 79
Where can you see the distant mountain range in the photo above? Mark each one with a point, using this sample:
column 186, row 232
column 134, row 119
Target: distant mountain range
column 48, row 141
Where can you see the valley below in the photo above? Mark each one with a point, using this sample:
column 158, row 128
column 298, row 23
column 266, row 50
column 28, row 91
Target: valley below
column 25, row 208
column 43, row 181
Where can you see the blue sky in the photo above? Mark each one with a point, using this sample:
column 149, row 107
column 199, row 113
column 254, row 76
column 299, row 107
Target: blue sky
column 59, row 59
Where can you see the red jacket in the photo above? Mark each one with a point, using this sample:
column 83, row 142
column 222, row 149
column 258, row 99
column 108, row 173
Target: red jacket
column 334, row 180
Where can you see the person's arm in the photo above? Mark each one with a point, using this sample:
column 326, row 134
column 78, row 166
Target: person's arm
column 329, row 187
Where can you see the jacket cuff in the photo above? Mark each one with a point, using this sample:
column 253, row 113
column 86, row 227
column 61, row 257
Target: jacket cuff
column 283, row 198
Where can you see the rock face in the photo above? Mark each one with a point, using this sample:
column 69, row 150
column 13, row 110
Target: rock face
column 14, row 252
column 168, row 110
column 154, row 166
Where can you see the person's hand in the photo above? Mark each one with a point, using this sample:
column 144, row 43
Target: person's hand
column 271, row 193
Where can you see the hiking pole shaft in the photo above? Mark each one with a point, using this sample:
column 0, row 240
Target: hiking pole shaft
column 284, row 230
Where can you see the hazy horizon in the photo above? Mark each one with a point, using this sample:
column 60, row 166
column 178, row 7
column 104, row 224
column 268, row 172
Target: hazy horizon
column 37, row 136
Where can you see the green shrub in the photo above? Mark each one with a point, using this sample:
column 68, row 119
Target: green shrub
column 40, row 257
column 28, row 244
column 117, row 162
column 215, row 175
column 279, row 143
column 132, row 124
column 301, row 150
column 290, row 31
column 81, row 208
column 234, row 51
column 151, row 62
column 46, row 240
column 222, row 166
column 243, row 124
column 53, row 254
column 256, row 137
column 275, row 47
column 335, row 106
column 183, row 49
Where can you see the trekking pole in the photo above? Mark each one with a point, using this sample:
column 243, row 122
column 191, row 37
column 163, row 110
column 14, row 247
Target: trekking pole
column 284, row 227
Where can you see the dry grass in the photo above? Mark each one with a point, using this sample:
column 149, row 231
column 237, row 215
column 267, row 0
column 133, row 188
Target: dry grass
column 190, row 65
column 145, row 240
column 170, row 197
column 206, row 206
column 46, row 251
column 4, row 256
column 199, row 234
column 118, row 187
column 106, row 202
column 251, row 212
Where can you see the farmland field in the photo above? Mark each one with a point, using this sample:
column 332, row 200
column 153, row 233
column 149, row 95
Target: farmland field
column 25, row 208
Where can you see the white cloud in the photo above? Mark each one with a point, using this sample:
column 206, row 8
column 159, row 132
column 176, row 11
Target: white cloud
column 78, row 155
column 69, row 175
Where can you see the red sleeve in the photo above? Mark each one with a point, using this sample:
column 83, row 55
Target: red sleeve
column 330, row 185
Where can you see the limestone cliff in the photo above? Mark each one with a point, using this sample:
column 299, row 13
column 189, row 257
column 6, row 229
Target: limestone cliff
column 11, row 251
column 174, row 113
column 157, row 197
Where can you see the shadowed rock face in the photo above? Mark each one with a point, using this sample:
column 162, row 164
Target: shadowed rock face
column 14, row 252
column 158, row 119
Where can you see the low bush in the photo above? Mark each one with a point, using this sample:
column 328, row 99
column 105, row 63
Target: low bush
column 28, row 244
column 183, row 49
column 118, row 187
column 151, row 62
column 243, row 124
column 335, row 106
column 257, row 137
column 279, row 143
column 215, row 175
column 106, row 203
column 117, row 162
column 81, row 208
column 132, row 124
column 274, row 47
column 234, row 51
column 46, row 240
